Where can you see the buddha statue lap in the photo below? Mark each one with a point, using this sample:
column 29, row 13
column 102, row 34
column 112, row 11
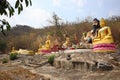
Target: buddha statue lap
column 104, row 41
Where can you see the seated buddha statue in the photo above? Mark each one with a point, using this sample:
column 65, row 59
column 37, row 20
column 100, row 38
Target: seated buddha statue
column 47, row 43
column 67, row 43
column 103, row 42
column 13, row 49
column 46, row 47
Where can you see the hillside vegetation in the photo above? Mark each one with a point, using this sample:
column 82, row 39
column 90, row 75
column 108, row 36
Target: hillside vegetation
column 26, row 37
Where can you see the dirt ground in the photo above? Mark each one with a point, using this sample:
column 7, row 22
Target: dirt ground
column 28, row 68
column 14, row 72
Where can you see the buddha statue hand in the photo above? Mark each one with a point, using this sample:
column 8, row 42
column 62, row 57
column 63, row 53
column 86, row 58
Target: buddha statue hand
column 108, row 37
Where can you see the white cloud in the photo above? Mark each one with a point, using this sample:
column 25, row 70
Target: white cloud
column 79, row 3
column 57, row 2
column 37, row 14
column 34, row 17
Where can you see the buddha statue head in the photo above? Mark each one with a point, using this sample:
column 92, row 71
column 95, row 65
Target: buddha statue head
column 48, row 37
column 40, row 45
column 67, row 39
column 13, row 49
column 102, row 22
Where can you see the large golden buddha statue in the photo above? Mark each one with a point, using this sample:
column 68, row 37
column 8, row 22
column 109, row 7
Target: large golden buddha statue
column 104, row 40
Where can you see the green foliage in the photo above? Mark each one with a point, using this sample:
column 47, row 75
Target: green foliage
column 8, row 10
column 13, row 55
column 4, row 24
column 51, row 59
column 19, row 5
column 4, row 60
column 3, row 46
column 4, row 6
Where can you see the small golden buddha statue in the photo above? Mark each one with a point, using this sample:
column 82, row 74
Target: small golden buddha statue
column 103, row 42
column 13, row 49
column 40, row 47
column 67, row 42
column 47, row 43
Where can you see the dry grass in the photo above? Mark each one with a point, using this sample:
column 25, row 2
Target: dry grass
column 8, row 72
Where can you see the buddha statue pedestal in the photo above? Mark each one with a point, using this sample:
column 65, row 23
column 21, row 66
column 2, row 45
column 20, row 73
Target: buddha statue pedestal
column 104, row 40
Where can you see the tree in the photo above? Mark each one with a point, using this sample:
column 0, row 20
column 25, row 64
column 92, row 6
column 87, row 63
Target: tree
column 8, row 10
column 56, row 22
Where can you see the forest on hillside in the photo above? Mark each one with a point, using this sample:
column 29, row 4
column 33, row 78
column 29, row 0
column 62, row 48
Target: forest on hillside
column 26, row 37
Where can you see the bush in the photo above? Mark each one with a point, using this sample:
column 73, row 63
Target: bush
column 13, row 56
column 4, row 60
column 51, row 59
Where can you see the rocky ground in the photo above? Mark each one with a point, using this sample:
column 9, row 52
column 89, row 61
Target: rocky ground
column 36, row 67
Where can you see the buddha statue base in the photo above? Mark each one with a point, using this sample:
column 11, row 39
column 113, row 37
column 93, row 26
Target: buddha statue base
column 43, row 51
column 107, row 47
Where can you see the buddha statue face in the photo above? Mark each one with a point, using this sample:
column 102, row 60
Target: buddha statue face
column 48, row 37
column 102, row 22
column 67, row 39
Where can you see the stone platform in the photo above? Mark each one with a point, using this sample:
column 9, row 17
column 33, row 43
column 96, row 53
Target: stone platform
column 84, row 60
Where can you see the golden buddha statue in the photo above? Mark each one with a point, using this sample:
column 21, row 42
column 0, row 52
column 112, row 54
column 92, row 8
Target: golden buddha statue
column 13, row 49
column 45, row 48
column 67, row 42
column 47, row 43
column 103, row 42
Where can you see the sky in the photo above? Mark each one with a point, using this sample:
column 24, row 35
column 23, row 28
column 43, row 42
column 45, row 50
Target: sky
column 41, row 11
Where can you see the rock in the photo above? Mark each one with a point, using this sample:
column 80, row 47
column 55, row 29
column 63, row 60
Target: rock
column 44, row 78
column 104, row 66
column 63, row 63
column 57, row 64
column 68, row 57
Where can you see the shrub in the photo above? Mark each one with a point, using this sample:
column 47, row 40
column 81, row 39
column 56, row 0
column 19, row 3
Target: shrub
column 51, row 59
column 13, row 56
column 4, row 60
